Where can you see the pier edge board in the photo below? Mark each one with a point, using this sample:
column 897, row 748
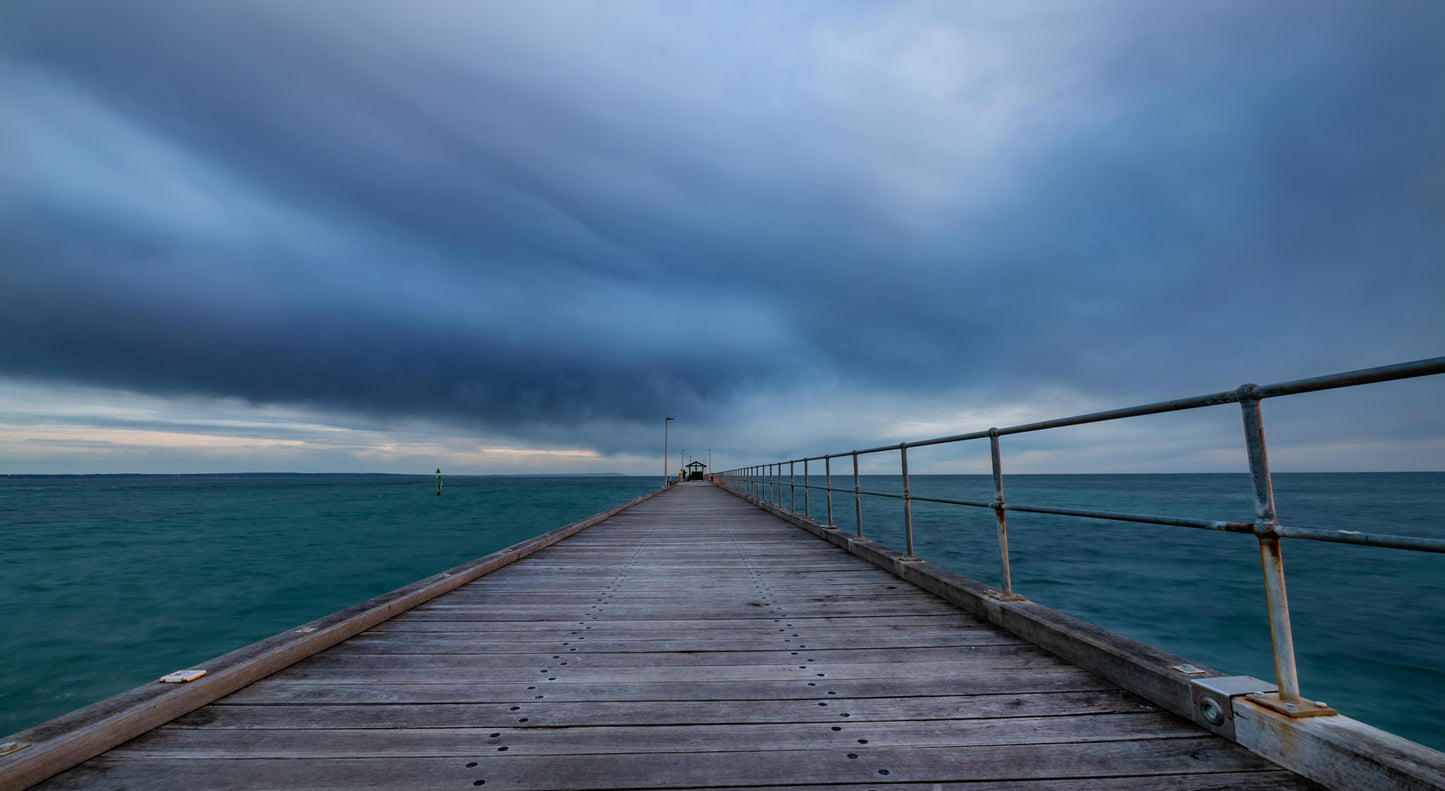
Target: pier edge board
column 1338, row 752
column 59, row 744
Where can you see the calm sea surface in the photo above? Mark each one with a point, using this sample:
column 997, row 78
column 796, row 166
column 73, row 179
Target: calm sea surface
column 109, row 582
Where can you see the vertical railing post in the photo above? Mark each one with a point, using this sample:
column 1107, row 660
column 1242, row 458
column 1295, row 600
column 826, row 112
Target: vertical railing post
column 807, row 509
column 907, row 501
column 857, row 495
column 1006, row 592
column 828, row 485
column 792, row 486
column 1266, row 527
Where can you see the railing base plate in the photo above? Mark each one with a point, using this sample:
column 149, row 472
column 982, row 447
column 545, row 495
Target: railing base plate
column 1296, row 709
column 999, row 595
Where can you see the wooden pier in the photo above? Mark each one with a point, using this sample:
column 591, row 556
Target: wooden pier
column 690, row 641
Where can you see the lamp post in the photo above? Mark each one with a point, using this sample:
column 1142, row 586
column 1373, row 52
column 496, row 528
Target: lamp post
column 664, row 452
column 709, row 463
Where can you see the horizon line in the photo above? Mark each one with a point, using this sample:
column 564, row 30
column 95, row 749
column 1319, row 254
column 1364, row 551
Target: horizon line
column 430, row 475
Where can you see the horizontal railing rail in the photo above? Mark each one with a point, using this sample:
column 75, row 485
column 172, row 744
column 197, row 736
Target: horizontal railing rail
column 767, row 482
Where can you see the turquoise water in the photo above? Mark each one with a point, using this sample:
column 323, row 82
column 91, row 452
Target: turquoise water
column 109, row 582
column 1369, row 623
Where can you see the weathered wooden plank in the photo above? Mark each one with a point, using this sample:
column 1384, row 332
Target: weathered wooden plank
column 437, row 774
column 697, row 610
column 418, row 672
column 662, row 712
column 1004, row 655
column 1233, row 781
column 574, row 600
column 837, row 574
column 635, row 616
column 621, row 608
column 1054, row 762
column 563, row 593
column 202, row 743
column 289, row 689
column 485, row 643
column 421, row 620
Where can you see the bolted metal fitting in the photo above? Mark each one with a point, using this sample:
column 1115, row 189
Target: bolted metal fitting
column 1212, row 712
column 1213, row 699
column 182, row 676
column 12, row 747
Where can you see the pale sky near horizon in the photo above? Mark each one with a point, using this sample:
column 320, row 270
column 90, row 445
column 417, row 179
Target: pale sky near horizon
column 515, row 236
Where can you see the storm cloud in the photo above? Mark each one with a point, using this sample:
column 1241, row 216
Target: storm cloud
column 559, row 222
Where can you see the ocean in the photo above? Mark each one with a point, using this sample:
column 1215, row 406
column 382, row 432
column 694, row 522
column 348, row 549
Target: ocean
column 108, row 582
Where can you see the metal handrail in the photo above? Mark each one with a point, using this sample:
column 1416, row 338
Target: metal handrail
column 764, row 482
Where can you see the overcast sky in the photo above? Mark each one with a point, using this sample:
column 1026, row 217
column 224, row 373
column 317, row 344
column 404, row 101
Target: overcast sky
column 515, row 236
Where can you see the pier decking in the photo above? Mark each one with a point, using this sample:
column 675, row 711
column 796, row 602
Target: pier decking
column 692, row 641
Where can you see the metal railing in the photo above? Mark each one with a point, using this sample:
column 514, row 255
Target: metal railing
column 765, row 483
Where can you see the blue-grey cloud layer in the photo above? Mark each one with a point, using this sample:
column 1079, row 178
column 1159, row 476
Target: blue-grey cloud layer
column 530, row 217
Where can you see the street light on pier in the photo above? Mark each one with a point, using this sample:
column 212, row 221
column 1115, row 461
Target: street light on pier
column 664, row 452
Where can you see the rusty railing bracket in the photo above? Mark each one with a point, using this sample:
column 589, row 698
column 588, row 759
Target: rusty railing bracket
column 999, row 595
column 1295, row 709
